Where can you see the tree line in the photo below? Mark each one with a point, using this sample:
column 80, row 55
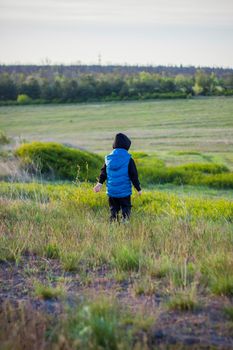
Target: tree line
column 17, row 87
column 73, row 71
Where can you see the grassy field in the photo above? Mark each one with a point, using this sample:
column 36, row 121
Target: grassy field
column 114, row 286
column 197, row 124
column 71, row 280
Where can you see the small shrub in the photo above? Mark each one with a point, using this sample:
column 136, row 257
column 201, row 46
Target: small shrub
column 184, row 153
column 23, row 99
column 154, row 171
column 192, row 173
column 206, row 168
column 221, row 181
column 54, row 159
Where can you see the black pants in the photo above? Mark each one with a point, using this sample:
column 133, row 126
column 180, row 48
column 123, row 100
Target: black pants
column 117, row 204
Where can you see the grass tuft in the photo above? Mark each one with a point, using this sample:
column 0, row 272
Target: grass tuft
column 217, row 271
column 222, row 285
column 159, row 268
column 47, row 291
column 145, row 286
column 126, row 258
column 184, row 300
column 70, row 261
column 52, row 251
column 96, row 325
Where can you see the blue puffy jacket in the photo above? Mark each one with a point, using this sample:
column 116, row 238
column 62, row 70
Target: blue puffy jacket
column 118, row 181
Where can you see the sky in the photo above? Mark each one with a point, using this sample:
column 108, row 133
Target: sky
column 167, row 32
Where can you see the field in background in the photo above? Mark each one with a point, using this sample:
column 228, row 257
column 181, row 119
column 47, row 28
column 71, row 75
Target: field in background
column 204, row 124
column 177, row 132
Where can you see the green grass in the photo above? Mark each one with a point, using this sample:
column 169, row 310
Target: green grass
column 70, row 260
column 156, row 203
column 126, row 258
column 49, row 160
column 52, row 251
column 222, row 285
column 217, row 270
column 153, row 171
column 193, row 190
column 183, row 301
column 46, row 291
column 200, row 125
column 174, row 246
column 164, row 233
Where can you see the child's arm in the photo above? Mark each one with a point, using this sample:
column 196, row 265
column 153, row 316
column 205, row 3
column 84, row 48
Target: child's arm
column 102, row 178
column 133, row 175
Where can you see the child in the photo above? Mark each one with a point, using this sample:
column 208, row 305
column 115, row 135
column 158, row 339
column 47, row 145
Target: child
column 120, row 172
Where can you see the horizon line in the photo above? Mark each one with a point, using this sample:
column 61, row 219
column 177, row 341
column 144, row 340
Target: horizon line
column 47, row 64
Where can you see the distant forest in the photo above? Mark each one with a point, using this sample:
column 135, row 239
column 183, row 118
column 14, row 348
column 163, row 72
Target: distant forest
column 28, row 84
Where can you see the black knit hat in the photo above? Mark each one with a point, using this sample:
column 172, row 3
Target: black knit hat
column 121, row 141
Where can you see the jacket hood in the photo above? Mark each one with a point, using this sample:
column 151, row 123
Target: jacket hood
column 121, row 141
column 117, row 159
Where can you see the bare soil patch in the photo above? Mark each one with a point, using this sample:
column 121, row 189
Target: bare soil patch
column 205, row 328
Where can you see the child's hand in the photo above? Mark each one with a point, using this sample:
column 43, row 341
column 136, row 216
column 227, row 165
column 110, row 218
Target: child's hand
column 140, row 193
column 97, row 187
